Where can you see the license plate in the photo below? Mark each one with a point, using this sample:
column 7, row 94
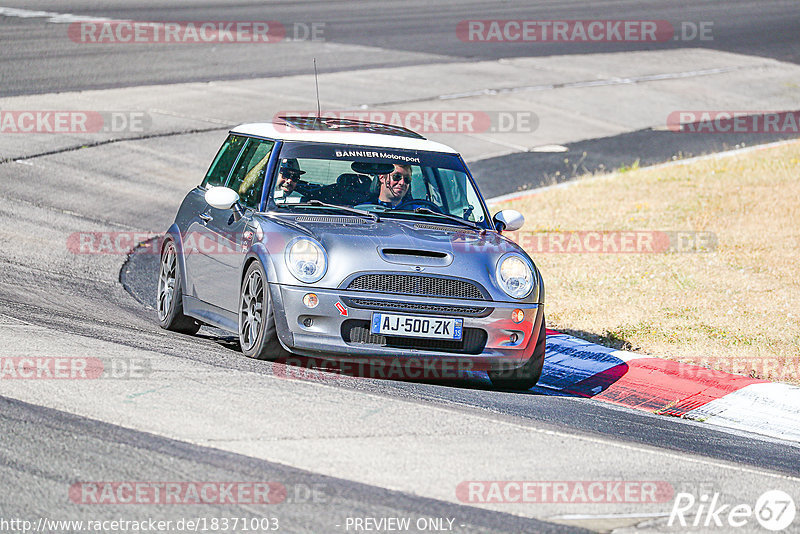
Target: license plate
column 417, row 326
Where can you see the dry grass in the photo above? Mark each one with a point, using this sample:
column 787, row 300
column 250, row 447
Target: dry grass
column 736, row 309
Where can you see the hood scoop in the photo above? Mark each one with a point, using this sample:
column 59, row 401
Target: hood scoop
column 407, row 256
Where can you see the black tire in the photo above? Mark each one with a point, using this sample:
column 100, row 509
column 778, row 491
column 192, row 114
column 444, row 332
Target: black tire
column 258, row 337
column 525, row 377
column 169, row 294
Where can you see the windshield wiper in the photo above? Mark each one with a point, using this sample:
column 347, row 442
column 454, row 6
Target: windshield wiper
column 319, row 203
column 469, row 224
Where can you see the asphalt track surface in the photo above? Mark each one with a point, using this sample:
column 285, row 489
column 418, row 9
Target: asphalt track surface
column 68, row 443
column 528, row 170
column 139, row 276
column 43, row 449
column 36, row 59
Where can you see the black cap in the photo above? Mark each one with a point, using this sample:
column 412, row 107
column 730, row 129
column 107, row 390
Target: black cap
column 290, row 166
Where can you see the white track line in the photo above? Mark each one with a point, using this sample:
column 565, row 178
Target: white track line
column 57, row 18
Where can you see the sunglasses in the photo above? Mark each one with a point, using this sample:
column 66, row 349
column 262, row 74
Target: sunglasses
column 396, row 177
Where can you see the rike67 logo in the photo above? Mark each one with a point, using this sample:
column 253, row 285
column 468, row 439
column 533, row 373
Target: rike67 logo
column 774, row 510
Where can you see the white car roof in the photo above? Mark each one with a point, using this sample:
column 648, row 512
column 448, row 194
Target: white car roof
column 288, row 133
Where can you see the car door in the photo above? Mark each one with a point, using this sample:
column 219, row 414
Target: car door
column 196, row 236
column 220, row 255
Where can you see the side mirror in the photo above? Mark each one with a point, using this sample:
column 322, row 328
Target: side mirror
column 508, row 220
column 224, row 198
column 221, row 198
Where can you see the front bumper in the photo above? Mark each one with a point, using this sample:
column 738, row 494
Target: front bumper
column 491, row 339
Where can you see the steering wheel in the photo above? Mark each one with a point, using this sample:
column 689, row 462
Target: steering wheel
column 356, row 181
column 418, row 203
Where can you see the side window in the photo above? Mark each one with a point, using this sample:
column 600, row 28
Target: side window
column 428, row 188
column 462, row 200
column 248, row 176
column 418, row 188
column 226, row 157
column 473, row 211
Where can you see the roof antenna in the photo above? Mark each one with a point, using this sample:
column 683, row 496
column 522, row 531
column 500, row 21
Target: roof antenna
column 316, row 82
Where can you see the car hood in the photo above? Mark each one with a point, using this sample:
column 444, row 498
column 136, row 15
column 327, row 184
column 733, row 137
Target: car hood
column 356, row 245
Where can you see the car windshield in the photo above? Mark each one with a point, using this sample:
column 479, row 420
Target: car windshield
column 391, row 182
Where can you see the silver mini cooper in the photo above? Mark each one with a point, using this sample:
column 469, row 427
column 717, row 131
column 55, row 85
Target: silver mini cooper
column 347, row 240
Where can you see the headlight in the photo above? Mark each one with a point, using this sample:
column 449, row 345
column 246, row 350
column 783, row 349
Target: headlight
column 306, row 259
column 514, row 276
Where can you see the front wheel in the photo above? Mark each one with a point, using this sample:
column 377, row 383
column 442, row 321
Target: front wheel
column 258, row 337
column 525, row 377
column 169, row 299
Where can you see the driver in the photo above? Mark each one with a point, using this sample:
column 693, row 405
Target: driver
column 394, row 186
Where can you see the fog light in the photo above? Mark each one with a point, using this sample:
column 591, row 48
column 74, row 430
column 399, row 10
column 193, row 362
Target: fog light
column 513, row 338
column 517, row 316
column 310, row 300
column 308, row 321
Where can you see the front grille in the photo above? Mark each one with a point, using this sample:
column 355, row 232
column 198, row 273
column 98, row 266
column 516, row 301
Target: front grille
column 473, row 340
column 412, row 284
column 475, row 311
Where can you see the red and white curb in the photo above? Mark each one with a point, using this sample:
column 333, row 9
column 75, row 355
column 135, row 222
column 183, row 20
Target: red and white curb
column 577, row 367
